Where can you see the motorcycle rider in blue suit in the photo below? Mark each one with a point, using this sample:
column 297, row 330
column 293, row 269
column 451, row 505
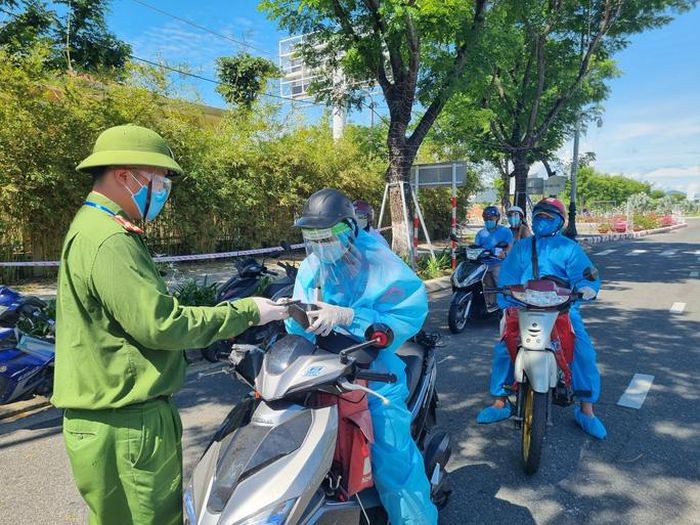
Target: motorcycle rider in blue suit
column 564, row 259
column 364, row 215
column 489, row 237
column 357, row 281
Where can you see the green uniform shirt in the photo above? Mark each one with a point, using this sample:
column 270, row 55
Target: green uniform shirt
column 119, row 332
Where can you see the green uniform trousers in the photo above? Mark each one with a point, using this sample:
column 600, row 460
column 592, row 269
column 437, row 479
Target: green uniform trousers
column 127, row 462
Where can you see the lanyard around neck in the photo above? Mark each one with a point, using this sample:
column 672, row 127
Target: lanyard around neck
column 99, row 207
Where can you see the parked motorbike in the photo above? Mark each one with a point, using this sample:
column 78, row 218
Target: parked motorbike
column 540, row 340
column 26, row 362
column 468, row 300
column 247, row 282
column 276, row 459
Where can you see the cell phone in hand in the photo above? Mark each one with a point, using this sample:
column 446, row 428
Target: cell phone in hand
column 298, row 313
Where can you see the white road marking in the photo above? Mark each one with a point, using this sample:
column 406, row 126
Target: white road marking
column 677, row 308
column 637, row 252
column 606, row 252
column 669, row 253
column 696, row 252
column 448, row 358
column 694, row 274
column 637, row 391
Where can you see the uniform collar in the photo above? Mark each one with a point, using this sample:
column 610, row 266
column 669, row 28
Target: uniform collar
column 100, row 199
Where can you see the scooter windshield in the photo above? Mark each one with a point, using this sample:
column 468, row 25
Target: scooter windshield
column 285, row 351
column 252, row 448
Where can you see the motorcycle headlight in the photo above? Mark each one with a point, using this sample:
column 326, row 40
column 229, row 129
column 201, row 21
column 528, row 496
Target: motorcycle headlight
column 473, row 253
column 542, row 299
column 273, row 515
column 3, row 309
column 188, row 507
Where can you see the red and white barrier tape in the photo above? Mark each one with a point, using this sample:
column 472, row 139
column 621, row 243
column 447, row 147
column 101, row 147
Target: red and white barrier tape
column 176, row 258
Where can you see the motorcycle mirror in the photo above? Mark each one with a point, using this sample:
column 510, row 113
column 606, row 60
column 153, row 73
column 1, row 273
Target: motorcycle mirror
column 453, row 237
column 502, row 244
column 286, row 246
column 381, row 333
column 591, row 273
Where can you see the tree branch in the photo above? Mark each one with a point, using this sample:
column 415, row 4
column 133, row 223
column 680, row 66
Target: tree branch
column 541, row 39
column 443, row 94
column 397, row 66
column 606, row 22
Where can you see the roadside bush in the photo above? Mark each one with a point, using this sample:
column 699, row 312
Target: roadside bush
column 192, row 293
column 645, row 222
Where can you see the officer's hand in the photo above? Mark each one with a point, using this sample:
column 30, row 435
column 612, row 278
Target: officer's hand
column 587, row 293
column 270, row 311
column 327, row 317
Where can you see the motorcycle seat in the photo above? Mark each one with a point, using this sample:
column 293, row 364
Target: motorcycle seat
column 413, row 355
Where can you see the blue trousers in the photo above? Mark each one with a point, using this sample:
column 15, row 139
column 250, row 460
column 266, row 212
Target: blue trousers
column 397, row 464
column 585, row 376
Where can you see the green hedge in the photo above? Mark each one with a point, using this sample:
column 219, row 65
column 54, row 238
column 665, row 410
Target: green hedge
column 246, row 174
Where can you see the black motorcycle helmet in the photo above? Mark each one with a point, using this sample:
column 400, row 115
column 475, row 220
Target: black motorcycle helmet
column 325, row 209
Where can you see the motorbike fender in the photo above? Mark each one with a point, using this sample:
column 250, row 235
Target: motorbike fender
column 462, row 298
column 540, row 368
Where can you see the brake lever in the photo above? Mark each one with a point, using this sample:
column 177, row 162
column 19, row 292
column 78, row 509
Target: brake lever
column 352, row 387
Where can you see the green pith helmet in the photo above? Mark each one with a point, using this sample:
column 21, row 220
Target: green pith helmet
column 130, row 145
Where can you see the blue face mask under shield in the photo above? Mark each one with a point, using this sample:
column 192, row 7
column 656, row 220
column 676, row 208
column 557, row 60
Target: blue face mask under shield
column 158, row 188
column 514, row 221
column 335, row 252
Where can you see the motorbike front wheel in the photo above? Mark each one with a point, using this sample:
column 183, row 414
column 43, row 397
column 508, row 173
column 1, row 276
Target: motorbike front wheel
column 459, row 313
column 533, row 427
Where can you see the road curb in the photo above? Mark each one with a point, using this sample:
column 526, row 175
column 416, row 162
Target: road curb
column 613, row 237
column 439, row 284
column 22, row 407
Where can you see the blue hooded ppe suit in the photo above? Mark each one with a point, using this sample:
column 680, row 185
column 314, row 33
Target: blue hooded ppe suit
column 377, row 235
column 384, row 290
column 563, row 258
column 489, row 239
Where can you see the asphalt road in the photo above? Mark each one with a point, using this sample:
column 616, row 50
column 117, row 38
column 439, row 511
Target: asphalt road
column 646, row 472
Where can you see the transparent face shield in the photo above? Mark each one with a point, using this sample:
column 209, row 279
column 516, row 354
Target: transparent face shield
column 333, row 249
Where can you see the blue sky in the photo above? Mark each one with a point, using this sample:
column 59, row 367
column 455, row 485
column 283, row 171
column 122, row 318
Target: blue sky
column 651, row 127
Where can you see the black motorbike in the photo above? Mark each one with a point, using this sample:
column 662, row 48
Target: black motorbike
column 248, row 281
column 468, row 301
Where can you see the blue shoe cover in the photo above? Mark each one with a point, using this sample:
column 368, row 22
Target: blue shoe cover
column 493, row 414
column 590, row 424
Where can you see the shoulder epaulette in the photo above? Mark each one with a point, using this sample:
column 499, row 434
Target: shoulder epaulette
column 128, row 226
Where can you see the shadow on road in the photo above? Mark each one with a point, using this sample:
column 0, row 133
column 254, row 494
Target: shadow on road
column 486, row 506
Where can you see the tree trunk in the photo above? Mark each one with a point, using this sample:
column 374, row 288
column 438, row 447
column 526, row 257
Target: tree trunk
column 401, row 156
column 521, row 169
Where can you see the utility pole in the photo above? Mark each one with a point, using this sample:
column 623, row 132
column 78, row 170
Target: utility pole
column 571, row 232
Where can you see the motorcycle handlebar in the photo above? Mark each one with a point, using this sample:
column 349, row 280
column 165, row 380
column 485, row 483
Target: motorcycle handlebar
column 376, row 376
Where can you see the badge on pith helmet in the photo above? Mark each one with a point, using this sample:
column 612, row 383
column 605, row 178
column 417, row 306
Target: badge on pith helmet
column 130, row 145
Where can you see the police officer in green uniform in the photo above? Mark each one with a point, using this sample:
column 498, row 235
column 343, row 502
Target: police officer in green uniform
column 120, row 338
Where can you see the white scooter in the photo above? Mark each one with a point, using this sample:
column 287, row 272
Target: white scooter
column 540, row 340
column 274, row 459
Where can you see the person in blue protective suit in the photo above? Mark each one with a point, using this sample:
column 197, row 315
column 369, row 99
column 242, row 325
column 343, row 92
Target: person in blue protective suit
column 357, row 281
column 490, row 237
column 564, row 259
column 364, row 215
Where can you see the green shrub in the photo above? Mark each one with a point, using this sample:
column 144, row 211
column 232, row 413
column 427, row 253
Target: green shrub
column 645, row 222
column 192, row 293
